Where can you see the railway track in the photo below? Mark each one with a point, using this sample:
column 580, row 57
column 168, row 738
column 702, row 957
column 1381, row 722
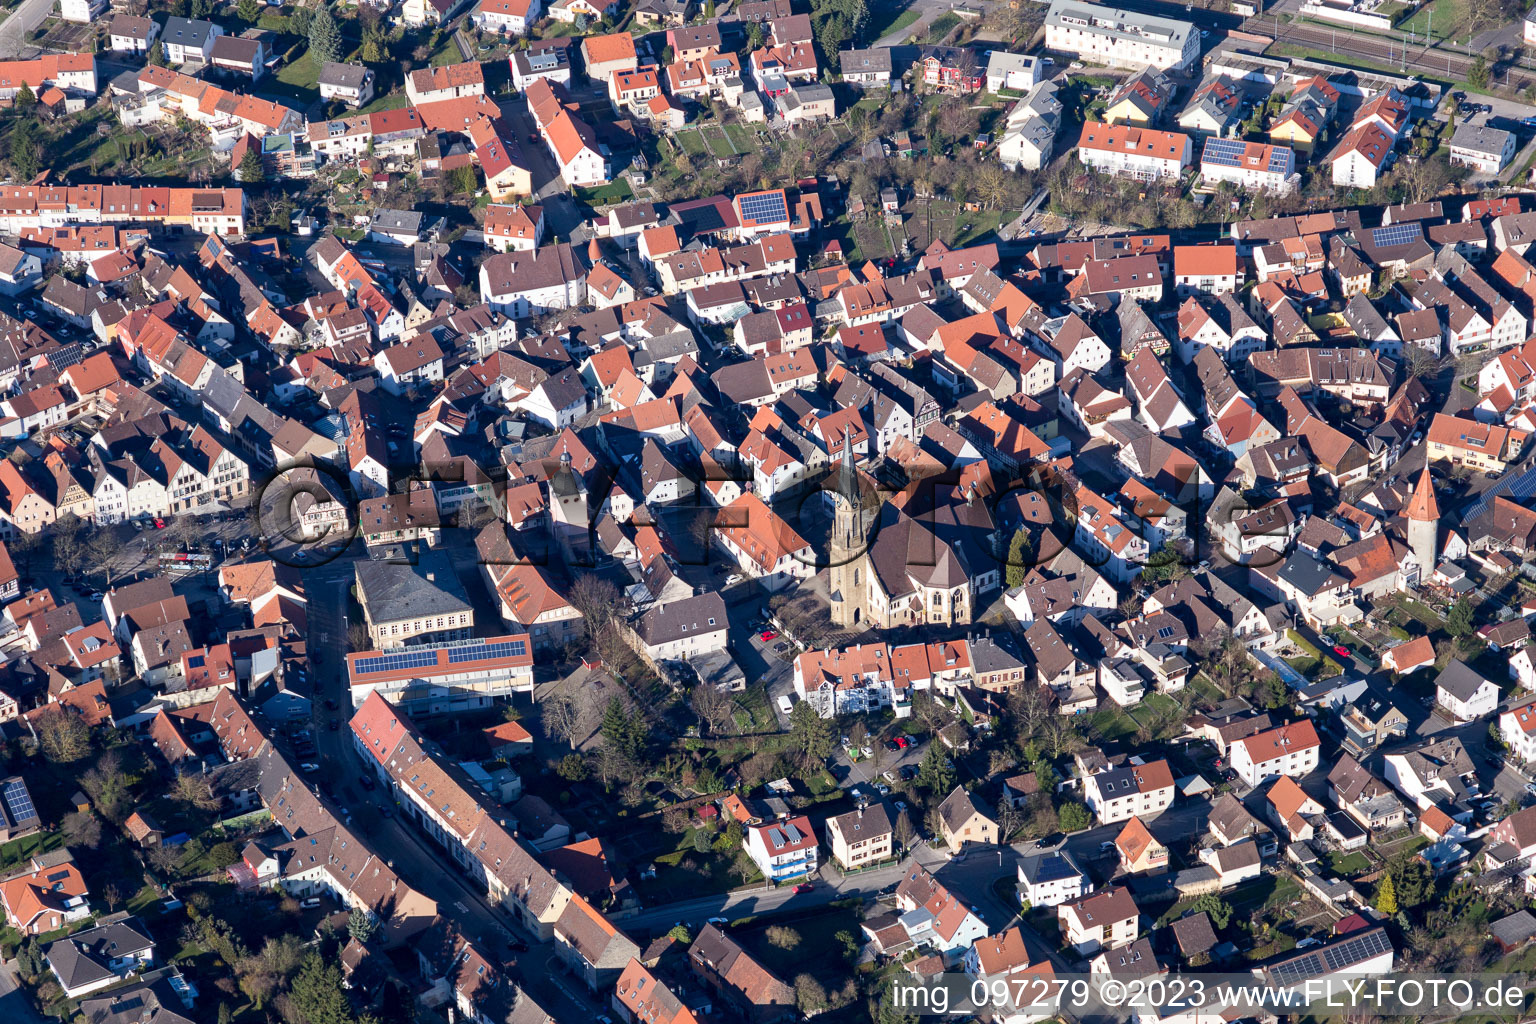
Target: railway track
column 1424, row 61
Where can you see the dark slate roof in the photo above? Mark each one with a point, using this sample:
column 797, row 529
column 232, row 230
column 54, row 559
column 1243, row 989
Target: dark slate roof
column 393, row 591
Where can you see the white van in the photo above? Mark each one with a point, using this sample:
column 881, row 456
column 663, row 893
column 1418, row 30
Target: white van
column 785, row 704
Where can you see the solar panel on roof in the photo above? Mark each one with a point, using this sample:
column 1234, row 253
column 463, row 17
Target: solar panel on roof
column 763, row 207
column 19, row 801
column 1398, row 234
column 1225, row 152
column 1231, row 153
column 1345, row 954
column 481, row 652
column 1338, row 956
column 395, row 662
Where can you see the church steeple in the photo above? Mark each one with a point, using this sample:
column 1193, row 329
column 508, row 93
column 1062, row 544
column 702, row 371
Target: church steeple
column 850, row 528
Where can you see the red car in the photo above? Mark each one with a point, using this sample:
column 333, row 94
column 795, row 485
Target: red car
column 903, row 742
column 803, row 887
column 159, row 524
column 1341, row 650
column 766, row 635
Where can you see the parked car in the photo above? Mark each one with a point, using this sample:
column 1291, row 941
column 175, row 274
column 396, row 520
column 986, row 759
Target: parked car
column 803, row 887
column 1341, row 650
column 768, row 634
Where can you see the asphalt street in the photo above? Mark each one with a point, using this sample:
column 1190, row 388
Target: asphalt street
column 418, row 860
column 13, row 31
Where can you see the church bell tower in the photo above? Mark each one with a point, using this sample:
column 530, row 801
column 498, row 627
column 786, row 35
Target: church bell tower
column 850, row 533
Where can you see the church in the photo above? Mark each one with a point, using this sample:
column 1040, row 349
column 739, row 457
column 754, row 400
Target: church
column 925, row 556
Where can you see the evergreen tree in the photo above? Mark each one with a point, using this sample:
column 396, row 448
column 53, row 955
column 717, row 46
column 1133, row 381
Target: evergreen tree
column 318, row 995
column 249, row 11
column 300, row 20
column 25, row 98
column 25, row 152
column 935, row 774
column 250, row 166
column 1459, row 621
column 157, row 54
column 809, row 733
column 361, row 926
column 709, row 11
column 615, row 727
column 1019, row 550
column 324, row 38
column 1073, row 817
column 1386, row 896
column 371, row 54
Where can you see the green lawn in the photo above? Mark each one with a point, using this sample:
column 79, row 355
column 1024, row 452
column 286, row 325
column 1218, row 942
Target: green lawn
column 940, row 28
column 686, row 874
column 613, row 192
column 394, row 101
column 18, row 850
column 719, row 143
column 1440, row 18
column 1112, row 723
column 740, row 138
column 895, row 19
column 302, row 73
column 1352, row 863
column 973, row 226
column 691, row 141
column 447, row 52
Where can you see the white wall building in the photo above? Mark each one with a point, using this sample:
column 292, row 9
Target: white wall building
column 1119, row 38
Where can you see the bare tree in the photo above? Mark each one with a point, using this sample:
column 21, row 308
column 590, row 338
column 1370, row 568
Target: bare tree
column 561, row 715
column 81, row 828
column 1421, row 361
column 903, row 831
column 101, row 550
column 713, row 708
column 192, row 790
column 596, row 599
column 64, row 737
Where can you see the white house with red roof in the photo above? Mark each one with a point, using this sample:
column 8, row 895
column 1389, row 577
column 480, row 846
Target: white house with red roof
column 45, row 895
column 782, row 850
column 1291, row 749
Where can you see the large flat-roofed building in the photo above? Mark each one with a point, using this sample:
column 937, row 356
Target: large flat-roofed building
column 413, row 604
column 1119, row 38
column 441, row 679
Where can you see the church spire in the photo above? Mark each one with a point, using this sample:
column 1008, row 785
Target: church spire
column 848, row 477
